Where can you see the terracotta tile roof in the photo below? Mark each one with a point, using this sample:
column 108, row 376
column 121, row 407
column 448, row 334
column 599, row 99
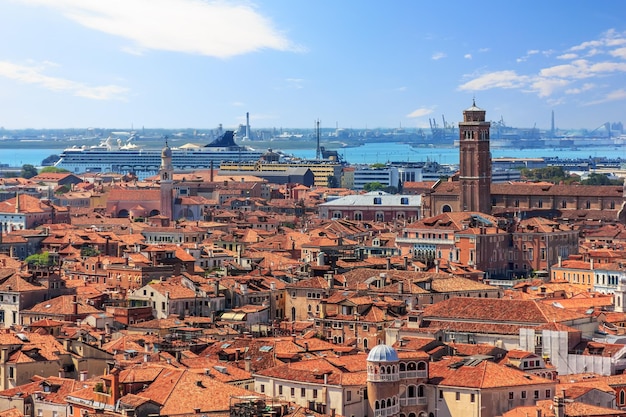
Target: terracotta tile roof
column 19, row 284
column 491, row 310
column 313, row 370
column 11, row 412
column 63, row 305
column 31, row 346
column 465, row 372
column 27, row 204
column 572, row 409
column 219, row 370
column 63, row 387
column 182, row 391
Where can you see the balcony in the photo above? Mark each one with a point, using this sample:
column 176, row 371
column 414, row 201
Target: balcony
column 424, row 241
column 413, row 374
column 387, row 411
column 413, row 401
column 383, row 377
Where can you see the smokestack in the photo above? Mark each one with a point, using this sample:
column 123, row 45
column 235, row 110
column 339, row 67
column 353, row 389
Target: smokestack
column 247, row 125
column 318, row 151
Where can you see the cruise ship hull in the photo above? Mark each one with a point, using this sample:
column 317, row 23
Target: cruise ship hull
column 146, row 162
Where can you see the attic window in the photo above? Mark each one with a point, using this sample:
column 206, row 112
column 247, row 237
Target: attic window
column 378, row 200
column 22, row 337
column 265, row 348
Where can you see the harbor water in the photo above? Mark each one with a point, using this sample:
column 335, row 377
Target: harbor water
column 370, row 153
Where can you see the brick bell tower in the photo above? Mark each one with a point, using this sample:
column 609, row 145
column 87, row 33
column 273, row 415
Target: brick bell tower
column 475, row 161
column 166, row 183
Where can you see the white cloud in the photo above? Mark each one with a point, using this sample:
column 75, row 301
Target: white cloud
column 567, row 57
column 419, row 113
column 438, row 55
column 616, row 95
column 219, row 29
column 498, row 79
column 583, row 88
column 34, row 74
column 467, row 56
column 619, row 53
column 576, row 69
column 545, row 87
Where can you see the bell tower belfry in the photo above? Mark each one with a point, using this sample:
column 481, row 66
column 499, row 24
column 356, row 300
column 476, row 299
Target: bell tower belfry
column 475, row 161
column 166, row 182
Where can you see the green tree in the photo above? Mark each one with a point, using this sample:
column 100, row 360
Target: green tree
column 39, row 259
column 28, row 171
column 87, row 251
column 600, row 179
column 52, row 169
column 373, row 186
column 62, row 189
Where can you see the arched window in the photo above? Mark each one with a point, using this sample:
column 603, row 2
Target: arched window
column 411, row 391
column 420, row 391
column 446, row 208
column 411, row 366
column 421, row 366
column 402, row 367
column 377, row 405
column 622, row 397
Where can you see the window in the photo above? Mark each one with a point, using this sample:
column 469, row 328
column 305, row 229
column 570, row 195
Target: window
column 262, row 388
column 523, row 395
column 378, row 200
column 441, row 395
column 458, row 396
column 303, row 392
column 473, row 398
column 348, row 395
column 404, row 201
column 548, row 393
column 511, row 395
column 536, row 395
column 280, row 390
column 293, row 392
column 314, row 393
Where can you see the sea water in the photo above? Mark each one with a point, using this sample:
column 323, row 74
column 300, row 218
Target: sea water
column 370, row 153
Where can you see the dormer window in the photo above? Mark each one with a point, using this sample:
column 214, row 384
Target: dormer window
column 378, row 200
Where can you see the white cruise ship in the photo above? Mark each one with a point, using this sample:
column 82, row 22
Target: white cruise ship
column 144, row 163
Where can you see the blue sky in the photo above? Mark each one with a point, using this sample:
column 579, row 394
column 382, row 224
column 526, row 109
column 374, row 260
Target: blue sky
column 349, row 63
